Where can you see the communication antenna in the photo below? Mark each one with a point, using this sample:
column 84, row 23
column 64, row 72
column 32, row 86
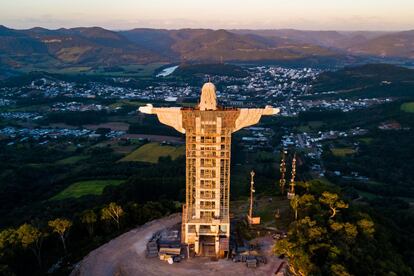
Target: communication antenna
column 291, row 192
column 282, row 181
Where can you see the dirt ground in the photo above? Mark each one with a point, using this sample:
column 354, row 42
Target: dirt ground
column 125, row 255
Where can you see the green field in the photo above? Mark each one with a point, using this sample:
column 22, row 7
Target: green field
column 341, row 152
column 72, row 160
column 131, row 70
column 367, row 195
column 89, row 187
column 312, row 125
column 366, row 140
column 408, row 107
column 153, row 151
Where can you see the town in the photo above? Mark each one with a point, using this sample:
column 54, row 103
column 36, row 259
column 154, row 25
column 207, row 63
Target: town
column 263, row 85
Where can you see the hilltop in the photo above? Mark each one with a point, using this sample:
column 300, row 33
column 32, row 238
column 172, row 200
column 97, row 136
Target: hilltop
column 370, row 80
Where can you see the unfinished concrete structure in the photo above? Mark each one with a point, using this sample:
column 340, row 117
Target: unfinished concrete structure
column 208, row 128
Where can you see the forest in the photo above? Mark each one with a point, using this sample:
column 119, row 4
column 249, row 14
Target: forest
column 331, row 237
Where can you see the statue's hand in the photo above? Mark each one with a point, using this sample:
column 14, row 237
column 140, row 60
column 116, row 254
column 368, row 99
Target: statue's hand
column 146, row 109
column 271, row 110
column 276, row 111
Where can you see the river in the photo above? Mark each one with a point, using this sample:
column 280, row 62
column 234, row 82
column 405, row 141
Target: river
column 167, row 71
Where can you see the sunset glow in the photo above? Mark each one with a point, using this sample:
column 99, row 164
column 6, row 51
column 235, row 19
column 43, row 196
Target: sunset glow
column 258, row 14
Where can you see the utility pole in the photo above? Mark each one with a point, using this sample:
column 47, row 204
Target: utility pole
column 252, row 220
column 291, row 192
column 251, row 193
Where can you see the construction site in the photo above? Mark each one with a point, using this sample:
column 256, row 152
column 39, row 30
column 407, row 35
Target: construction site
column 246, row 242
column 209, row 236
column 157, row 248
column 205, row 228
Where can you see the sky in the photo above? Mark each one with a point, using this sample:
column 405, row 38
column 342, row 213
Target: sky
column 215, row 14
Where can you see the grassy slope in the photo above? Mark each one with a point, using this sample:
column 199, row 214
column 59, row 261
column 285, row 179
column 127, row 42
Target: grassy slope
column 153, row 151
column 408, row 107
column 72, row 160
column 266, row 210
column 341, row 152
column 82, row 188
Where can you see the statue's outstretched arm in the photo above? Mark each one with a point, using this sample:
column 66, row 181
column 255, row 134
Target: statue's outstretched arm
column 251, row 116
column 170, row 116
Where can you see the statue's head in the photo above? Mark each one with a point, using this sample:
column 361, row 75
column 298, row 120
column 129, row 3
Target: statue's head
column 208, row 99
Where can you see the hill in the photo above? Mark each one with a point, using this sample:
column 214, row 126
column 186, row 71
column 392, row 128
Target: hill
column 40, row 48
column 381, row 76
column 91, row 46
column 391, row 45
column 330, row 39
column 361, row 43
column 94, row 47
column 68, row 47
column 221, row 45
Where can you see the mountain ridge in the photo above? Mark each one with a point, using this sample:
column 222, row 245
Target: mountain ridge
column 96, row 46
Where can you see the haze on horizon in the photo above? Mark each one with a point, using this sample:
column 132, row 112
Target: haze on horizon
column 384, row 15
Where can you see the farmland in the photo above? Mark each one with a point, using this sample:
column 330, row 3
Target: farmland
column 83, row 188
column 408, row 107
column 341, row 152
column 153, row 151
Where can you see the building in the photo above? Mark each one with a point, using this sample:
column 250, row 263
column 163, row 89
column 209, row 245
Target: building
column 208, row 128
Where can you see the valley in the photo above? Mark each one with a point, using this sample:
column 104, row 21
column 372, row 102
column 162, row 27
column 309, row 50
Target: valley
column 75, row 143
column 136, row 52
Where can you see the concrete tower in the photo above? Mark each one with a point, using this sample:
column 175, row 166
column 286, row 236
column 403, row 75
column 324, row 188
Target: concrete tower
column 208, row 129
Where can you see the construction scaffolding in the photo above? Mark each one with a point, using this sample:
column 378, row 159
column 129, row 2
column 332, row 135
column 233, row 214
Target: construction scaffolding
column 208, row 152
column 208, row 129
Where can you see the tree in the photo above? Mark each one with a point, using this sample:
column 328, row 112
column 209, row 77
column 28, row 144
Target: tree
column 31, row 237
column 61, row 227
column 112, row 211
column 333, row 202
column 299, row 261
column 347, row 229
column 8, row 238
column 316, row 244
column 339, row 270
column 89, row 218
column 305, row 201
column 367, row 226
column 294, row 203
